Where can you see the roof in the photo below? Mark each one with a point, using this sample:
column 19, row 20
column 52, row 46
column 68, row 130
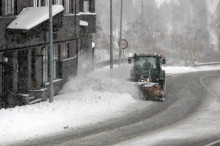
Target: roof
column 145, row 54
column 32, row 16
column 150, row 55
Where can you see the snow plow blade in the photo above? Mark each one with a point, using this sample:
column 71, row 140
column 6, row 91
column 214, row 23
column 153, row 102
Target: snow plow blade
column 151, row 91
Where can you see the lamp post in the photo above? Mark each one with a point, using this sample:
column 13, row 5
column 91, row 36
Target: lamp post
column 120, row 37
column 51, row 68
column 111, row 50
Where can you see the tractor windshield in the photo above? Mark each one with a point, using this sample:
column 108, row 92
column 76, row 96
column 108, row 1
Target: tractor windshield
column 151, row 61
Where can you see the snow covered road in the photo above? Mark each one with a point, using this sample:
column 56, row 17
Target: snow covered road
column 102, row 95
column 201, row 127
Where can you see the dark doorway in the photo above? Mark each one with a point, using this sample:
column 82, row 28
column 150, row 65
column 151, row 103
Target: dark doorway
column 23, row 71
column 7, row 76
column 34, row 82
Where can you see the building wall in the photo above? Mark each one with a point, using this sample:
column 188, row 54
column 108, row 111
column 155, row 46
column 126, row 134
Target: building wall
column 4, row 21
column 24, row 69
column 91, row 19
column 23, row 4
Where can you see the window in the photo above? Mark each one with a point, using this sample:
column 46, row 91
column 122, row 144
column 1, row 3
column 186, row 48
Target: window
column 46, row 2
column 66, row 6
column 66, row 51
column 57, row 2
column 46, row 62
column 63, row 52
column 69, row 6
column 39, row 3
column 86, row 5
column 44, row 51
column 10, row 7
column 56, row 62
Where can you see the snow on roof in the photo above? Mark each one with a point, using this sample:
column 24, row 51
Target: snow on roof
column 86, row 13
column 83, row 23
column 31, row 16
column 93, row 45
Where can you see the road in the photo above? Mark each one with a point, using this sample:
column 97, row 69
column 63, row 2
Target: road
column 187, row 94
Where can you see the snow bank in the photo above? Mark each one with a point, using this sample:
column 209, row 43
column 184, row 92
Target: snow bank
column 72, row 110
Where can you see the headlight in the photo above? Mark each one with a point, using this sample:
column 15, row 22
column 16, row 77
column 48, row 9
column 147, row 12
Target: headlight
column 146, row 80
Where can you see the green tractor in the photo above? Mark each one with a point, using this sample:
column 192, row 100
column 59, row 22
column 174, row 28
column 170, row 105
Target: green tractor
column 148, row 75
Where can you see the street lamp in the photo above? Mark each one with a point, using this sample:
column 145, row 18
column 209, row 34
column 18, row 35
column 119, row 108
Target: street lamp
column 5, row 59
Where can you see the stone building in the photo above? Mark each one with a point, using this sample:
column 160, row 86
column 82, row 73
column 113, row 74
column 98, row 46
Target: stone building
column 24, row 44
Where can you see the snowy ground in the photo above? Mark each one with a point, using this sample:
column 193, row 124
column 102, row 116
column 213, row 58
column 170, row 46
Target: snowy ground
column 95, row 97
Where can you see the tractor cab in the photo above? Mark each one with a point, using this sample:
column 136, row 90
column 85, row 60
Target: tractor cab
column 147, row 70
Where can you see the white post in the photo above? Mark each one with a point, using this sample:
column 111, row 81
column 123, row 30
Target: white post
column 51, row 68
